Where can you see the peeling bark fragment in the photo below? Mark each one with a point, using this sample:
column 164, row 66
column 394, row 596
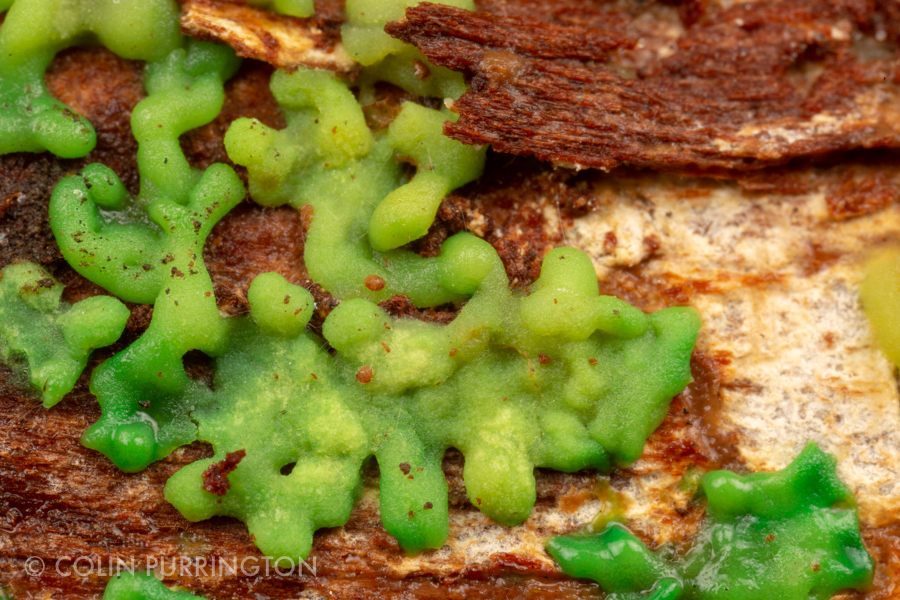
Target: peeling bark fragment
column 215, row 477
column 526, row 37
column 745, row 88
column 861, row 191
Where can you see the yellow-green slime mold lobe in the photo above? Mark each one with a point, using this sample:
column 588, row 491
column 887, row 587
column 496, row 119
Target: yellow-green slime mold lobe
column 880, row 296
column 327, row 158
column 35, row 30
column 142, row 586
column 792, row 534
column 153, row 253
column 388, row 59
column 292, row 8
column 482, row 384
column 54, row 338
column 185, row 91
column 442, row 165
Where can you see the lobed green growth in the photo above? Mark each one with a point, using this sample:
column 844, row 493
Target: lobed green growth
column 54, row 338
column 35, row 30
column 505, row 382
column 293, row 8
column 880, row 296
column 185, row 91
column 151, row 251
column 792, row 534
column 391, row 60
column 559, row 377
column 328, row 159
column 442, row 165
column 142, row 586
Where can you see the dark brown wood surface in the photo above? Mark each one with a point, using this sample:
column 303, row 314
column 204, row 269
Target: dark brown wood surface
column 742, row 88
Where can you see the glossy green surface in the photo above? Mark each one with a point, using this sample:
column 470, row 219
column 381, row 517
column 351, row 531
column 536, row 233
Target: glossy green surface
column 35, row 30
column 293, row 8
column 558, row 376
column 792, row 535
column 389, row 59
column 493, row 384
column 149, row 249
column 328, row 159
column 52, row 339
column 142, row 586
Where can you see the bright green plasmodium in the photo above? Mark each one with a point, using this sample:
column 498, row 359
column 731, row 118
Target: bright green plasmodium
column 558, row 377
column 389, row 59
column 151, row 251
column 293, row 8
column 792, row 534
column 142, row 586
column 327, row 158
column 53, row 338
column 35, row 30
column 442, row 165
column 561, row 378
column 514, row 382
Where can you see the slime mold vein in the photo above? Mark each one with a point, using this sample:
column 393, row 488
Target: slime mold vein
column 35, row 30
column 154, row 257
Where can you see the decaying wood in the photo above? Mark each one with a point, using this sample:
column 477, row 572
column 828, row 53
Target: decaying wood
column 61, row 502
column 283, row 42
column 745, row 88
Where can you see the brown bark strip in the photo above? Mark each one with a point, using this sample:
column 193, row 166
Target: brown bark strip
column 741, row 91
column 526, row 37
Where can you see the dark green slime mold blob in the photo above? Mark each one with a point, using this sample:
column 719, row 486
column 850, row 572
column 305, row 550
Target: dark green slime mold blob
column 792, row 535
column 142, row 586
column 152, row 252
column 35, row 30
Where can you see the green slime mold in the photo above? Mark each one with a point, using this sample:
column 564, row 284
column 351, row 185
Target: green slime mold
column 293, row 8
column 142, row 586
column 55, row 338
column 792, row 534
column 35, row 30
column 327, row 158
column 880, row 296
column 151, row 251
column 388, row 59
column 562, row 377
column 514, row 382
column 442, row 165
